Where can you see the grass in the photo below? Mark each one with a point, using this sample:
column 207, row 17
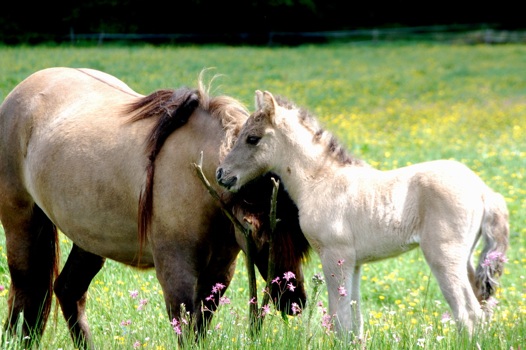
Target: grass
column 392, row 104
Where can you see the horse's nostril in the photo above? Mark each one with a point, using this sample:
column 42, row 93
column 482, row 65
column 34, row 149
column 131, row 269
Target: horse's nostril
column 219, row 173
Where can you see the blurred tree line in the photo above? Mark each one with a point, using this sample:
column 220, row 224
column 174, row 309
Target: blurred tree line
column 33, row 21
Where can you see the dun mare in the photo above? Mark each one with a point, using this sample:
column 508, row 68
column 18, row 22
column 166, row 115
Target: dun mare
column 353, row 214
column 83, row 153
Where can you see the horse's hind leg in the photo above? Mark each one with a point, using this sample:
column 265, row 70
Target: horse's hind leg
column 448, row 264
column 31, row 241
column 71, row 290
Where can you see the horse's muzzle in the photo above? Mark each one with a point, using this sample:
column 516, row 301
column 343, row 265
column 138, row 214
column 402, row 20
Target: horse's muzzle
column 224, row 181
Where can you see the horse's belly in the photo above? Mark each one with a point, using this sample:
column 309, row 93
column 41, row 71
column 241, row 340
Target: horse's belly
column 372, row 248
column 382, row 239
column 119, row 244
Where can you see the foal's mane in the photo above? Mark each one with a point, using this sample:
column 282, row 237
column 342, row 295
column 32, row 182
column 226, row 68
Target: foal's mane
column 310, row 122
column 171, row 110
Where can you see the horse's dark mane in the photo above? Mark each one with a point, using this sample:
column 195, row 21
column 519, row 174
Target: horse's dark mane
column 172, row 108
column 334, row 147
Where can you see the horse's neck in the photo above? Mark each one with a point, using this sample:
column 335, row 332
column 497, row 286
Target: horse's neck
column 304, row 164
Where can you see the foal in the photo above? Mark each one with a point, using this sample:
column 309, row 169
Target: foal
column 353, row 214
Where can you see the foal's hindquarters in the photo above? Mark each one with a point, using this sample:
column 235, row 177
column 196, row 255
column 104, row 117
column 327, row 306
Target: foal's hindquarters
column 443, row 207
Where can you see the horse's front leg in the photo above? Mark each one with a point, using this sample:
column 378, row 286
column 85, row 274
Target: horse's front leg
column 177, row 268
column 214, row 279
column 343, row 286
column 356, row 312
column 71, row 289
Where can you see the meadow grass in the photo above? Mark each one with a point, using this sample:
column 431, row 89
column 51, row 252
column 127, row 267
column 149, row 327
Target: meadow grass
column 391, row 104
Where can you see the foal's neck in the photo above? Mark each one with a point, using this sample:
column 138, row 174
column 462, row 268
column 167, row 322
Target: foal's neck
column 305, row 161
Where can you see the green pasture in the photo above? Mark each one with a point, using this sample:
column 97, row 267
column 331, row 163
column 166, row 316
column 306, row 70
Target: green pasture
column 391, row 104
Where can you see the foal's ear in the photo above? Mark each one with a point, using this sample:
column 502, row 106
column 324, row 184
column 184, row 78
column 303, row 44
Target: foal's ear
column 269, row 105
column 259, row 99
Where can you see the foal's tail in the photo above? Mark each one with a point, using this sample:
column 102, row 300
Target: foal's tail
column 495, row 230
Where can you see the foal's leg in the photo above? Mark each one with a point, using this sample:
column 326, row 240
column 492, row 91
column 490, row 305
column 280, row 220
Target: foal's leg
column 71, row 290
column 343, row 287
column 448, row 261
column 356, row 312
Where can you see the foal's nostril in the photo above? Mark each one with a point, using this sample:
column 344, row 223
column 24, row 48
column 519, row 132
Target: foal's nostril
column 219, row 173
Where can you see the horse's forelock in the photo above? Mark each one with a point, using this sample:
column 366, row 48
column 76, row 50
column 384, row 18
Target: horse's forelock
column 232, row 115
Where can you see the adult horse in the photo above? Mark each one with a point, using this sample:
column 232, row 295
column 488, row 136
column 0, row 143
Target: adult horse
column 352, row 213
column 112, row 169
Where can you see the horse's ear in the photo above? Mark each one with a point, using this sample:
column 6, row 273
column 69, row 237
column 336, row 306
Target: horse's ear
column 259, row 99
column 268, row 105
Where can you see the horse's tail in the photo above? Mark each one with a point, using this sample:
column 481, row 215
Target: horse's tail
column 48, row 253
column 495, row 232
column 55, row 270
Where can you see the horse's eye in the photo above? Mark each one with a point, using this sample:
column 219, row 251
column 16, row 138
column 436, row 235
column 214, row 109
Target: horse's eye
column 253, row 140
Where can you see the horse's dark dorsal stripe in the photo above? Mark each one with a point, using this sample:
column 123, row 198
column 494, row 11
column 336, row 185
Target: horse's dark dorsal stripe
column 173, row 108
column 333, row 146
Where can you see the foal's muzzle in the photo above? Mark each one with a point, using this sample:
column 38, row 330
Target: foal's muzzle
column 224, row 181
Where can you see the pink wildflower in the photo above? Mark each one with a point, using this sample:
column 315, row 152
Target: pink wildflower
column 126, row 323
column 295, row 308
column 340, row 262
column 446, row 317
column 134, row 294
column 2, row 288
column 491, row 303
column 326, row 322
column 497, row 256
column 291, row 287
column 288, row 275
column 265, row 310
column 136, row 344
column 342, row 291
column 142, row 302
column 252, row 301
column 326, row 319
column 494, row 257
column 276, row 280
column 224, row 300
column 218, row 287
column 176, row 326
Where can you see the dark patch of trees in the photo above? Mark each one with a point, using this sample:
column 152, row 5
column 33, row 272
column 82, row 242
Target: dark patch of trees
column 40, row 21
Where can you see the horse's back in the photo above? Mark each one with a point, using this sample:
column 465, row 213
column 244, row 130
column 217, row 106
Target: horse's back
column 447, row 191
column 61, row 112
column 67, row 147
column 58, row 92
column 441, row 175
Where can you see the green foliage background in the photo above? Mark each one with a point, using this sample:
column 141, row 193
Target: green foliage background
column 391, row 104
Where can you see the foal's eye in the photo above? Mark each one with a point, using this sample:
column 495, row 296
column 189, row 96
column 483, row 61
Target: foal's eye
column 253, row 140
